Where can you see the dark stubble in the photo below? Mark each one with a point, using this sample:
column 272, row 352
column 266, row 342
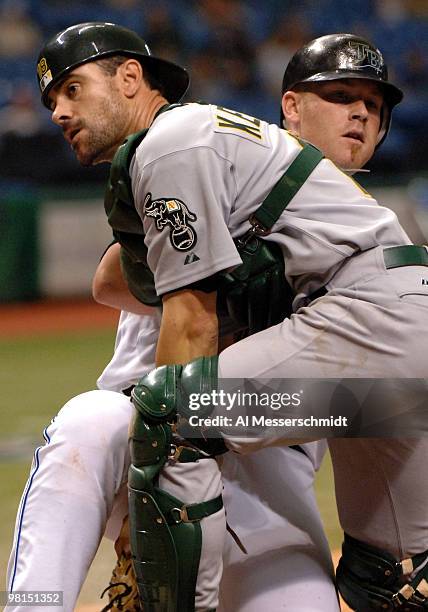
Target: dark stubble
column 105, row 130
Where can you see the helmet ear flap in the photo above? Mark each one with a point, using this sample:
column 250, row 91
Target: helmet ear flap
column 384, row 124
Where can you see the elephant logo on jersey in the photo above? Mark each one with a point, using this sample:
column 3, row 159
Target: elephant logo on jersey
column 173, row 212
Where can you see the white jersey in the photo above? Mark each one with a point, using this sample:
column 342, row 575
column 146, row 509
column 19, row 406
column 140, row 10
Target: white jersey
column 202, row 170
column 134, row 351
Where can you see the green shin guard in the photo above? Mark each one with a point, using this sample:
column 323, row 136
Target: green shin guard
column 165, row 533
column 166, row 549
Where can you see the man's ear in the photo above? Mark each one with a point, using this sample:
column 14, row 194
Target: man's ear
column 290, row 104
column 131, row 77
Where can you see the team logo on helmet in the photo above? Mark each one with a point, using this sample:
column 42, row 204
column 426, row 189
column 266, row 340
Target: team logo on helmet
column 366, row 56
column 175, row 214
column 44, row 74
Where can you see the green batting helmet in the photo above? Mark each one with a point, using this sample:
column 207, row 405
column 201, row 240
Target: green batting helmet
column 87, row 42
column 342, row 56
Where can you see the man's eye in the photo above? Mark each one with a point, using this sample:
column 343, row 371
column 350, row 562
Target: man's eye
column 337, row 97
column 373, row 104
column 341, row 96
column 72, row 89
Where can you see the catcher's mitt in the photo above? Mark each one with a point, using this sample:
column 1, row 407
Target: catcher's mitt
column 122, row 590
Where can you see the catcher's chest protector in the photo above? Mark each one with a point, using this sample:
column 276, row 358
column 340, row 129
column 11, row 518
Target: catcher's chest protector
column 126, row 223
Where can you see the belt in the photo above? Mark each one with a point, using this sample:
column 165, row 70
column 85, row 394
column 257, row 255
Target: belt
column 394, row 257
column 406, row 255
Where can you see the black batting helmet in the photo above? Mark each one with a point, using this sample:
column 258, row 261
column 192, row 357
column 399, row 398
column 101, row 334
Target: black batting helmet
column 342, row 56
column 87, row 42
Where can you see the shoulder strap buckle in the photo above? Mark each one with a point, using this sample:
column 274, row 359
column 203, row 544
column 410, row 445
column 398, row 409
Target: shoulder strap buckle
column 256, row 229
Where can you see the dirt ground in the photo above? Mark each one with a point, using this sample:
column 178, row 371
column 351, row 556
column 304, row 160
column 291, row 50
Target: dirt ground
column 54, row 316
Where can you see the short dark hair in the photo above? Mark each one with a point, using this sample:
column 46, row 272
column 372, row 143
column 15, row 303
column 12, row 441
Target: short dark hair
column 109, row 66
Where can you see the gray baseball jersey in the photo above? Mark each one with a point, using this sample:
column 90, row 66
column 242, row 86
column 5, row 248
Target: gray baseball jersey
column 200, row 173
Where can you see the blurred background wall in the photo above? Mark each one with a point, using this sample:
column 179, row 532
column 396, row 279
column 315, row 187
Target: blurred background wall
column 52, row 222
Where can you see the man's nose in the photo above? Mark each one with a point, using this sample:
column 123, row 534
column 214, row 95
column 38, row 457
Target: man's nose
column 62, row 112
column 358, row 110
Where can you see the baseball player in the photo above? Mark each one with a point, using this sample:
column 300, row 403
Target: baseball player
column 288, row 540
column 370, row 277
column 82, row 471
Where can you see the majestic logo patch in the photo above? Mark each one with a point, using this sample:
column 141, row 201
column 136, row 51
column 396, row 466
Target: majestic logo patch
column 191, row 258
column 173, row 212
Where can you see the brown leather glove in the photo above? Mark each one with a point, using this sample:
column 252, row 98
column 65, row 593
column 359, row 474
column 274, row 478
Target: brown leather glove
column 122, row 590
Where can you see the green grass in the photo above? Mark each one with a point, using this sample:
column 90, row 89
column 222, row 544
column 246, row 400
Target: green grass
column 37, row 375
column 13, row 476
